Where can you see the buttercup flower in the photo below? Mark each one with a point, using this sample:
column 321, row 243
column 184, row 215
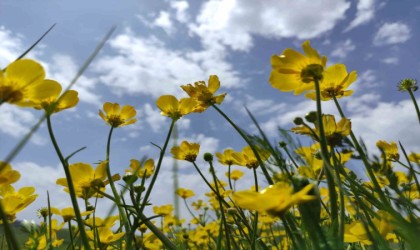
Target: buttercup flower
column 389, row 149
column 105, row 235
column 144, row 171
column 13, row 202
column 184, row 193
column 226, row 158
column 8, row 175
column 186, row 151
column 171, row 107
column 164, row 210
column 335, row 82
column 293, row 71
column 18, row 83
column 248, row 159
column 274, row 200
column 235, row 175
column 47, row 97
column 116, row 116
column 67, row 213
column 334, row 132
column 86, row 180
column 204, row 95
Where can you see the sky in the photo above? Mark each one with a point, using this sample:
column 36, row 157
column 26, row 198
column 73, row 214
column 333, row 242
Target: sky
column 160, row 45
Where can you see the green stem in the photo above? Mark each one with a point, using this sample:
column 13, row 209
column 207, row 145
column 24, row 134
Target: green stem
column 72, row 191
column 326, row 160
column 10, row 236
column 245, row 137
column 162, row 154
column 255, row 225
column 222, row 211
column 364, row 159
column 415, row 103
column 117, row 197
column 230, row 181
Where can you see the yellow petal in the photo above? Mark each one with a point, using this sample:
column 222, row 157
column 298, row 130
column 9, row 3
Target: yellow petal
column 213, row 84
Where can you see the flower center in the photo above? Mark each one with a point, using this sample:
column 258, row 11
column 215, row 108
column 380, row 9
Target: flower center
column 8, row 94
column 311, row 73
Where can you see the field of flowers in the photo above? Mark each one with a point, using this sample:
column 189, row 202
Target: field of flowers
column 313, row 200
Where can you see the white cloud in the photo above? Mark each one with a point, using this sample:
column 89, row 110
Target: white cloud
column 342, row 49
column 63, row 69
column 154, row 119
column 17, row 122
column 391, row 60
column 181, row 8
column 10, row 46
column 237, row 21
column 164, row 21
column 365, row 13
column 366, row 79
column 392, row 33
column 148, row 66
column 387, row 121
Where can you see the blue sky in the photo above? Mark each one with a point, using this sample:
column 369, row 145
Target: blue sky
column 159, row 45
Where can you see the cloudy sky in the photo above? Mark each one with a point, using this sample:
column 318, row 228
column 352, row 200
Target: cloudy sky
column 159, row 45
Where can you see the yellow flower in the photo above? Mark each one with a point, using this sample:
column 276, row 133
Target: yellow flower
column 414, row 157
column 7, row 174
column 68, row 213
column 293, row 71
column 13, row 202
column 248, row 159
column 226, row 158
column 19, row 81
column 144, row 171
column 116, row 116
column 164, row 210
column 314, row 163
column 204, row 95
column 171, row 107
column 275, row 199
column 356, row 232
column 184, row 193
column 235, row 175
column 86, row 180
column 105, row 234
column 186, row 151
column 389, row 149
column 47, row 97
column 335, row 82
column 334, row 132
column 199, row 204
column 99, row 222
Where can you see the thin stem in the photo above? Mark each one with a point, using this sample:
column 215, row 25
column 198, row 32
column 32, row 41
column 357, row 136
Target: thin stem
column 162, row 153
column 72, row 191
column 326, row 159
column 222, row 211
column 117, row 197
column 230, row 181
column 255, row 225
column 415, row 103
column 245, row 137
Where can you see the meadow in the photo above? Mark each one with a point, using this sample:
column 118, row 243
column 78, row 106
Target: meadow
column 312, row 201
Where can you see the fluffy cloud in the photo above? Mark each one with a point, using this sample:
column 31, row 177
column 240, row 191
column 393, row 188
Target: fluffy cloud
column 391, row 60
column 237, row 21
column 365, row 13
column 148, row 66
column 10, row 46
column 342, row 49
column 392, row 33
column 181, row 8
column 164, row 21
column 16, row 122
